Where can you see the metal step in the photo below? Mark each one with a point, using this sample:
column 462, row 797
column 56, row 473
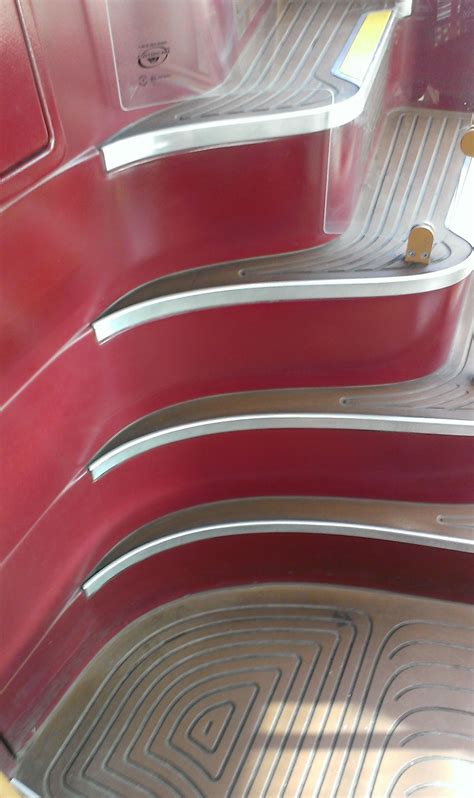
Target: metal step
column 440, row 404
column 418, row 172
column 439, row 526
column 289, row 80
column 279, row 690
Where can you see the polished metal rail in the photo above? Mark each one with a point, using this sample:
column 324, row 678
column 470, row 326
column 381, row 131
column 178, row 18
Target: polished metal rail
column 438, row 526
column 418, row 172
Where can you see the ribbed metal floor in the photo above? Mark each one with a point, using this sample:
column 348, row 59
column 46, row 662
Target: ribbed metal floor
column 310, row 36
column 290, row 64
column 271, row 691
column 416, row 174
column 413, row 177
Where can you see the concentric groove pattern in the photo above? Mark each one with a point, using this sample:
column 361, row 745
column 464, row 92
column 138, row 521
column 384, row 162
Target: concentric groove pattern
column 271, row 691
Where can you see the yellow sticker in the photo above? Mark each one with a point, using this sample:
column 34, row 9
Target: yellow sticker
column 362, row 50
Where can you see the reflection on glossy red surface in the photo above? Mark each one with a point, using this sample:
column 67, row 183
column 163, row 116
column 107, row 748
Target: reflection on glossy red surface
column 89, row 518
column 75, row 239
column 24, row 119
column 91, row 238
column 91, row 391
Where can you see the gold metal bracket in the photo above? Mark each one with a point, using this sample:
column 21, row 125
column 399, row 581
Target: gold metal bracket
column 419, row 244
column 467, row 142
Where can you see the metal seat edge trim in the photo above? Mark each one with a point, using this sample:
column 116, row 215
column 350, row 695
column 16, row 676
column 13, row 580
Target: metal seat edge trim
column 278, row 291
column 271, row 420
column 159, row 545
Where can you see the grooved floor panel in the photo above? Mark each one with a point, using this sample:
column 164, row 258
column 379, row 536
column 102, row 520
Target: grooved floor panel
column 416, row 171
column 293, row 62
column 270, row 691
column 287, row 64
